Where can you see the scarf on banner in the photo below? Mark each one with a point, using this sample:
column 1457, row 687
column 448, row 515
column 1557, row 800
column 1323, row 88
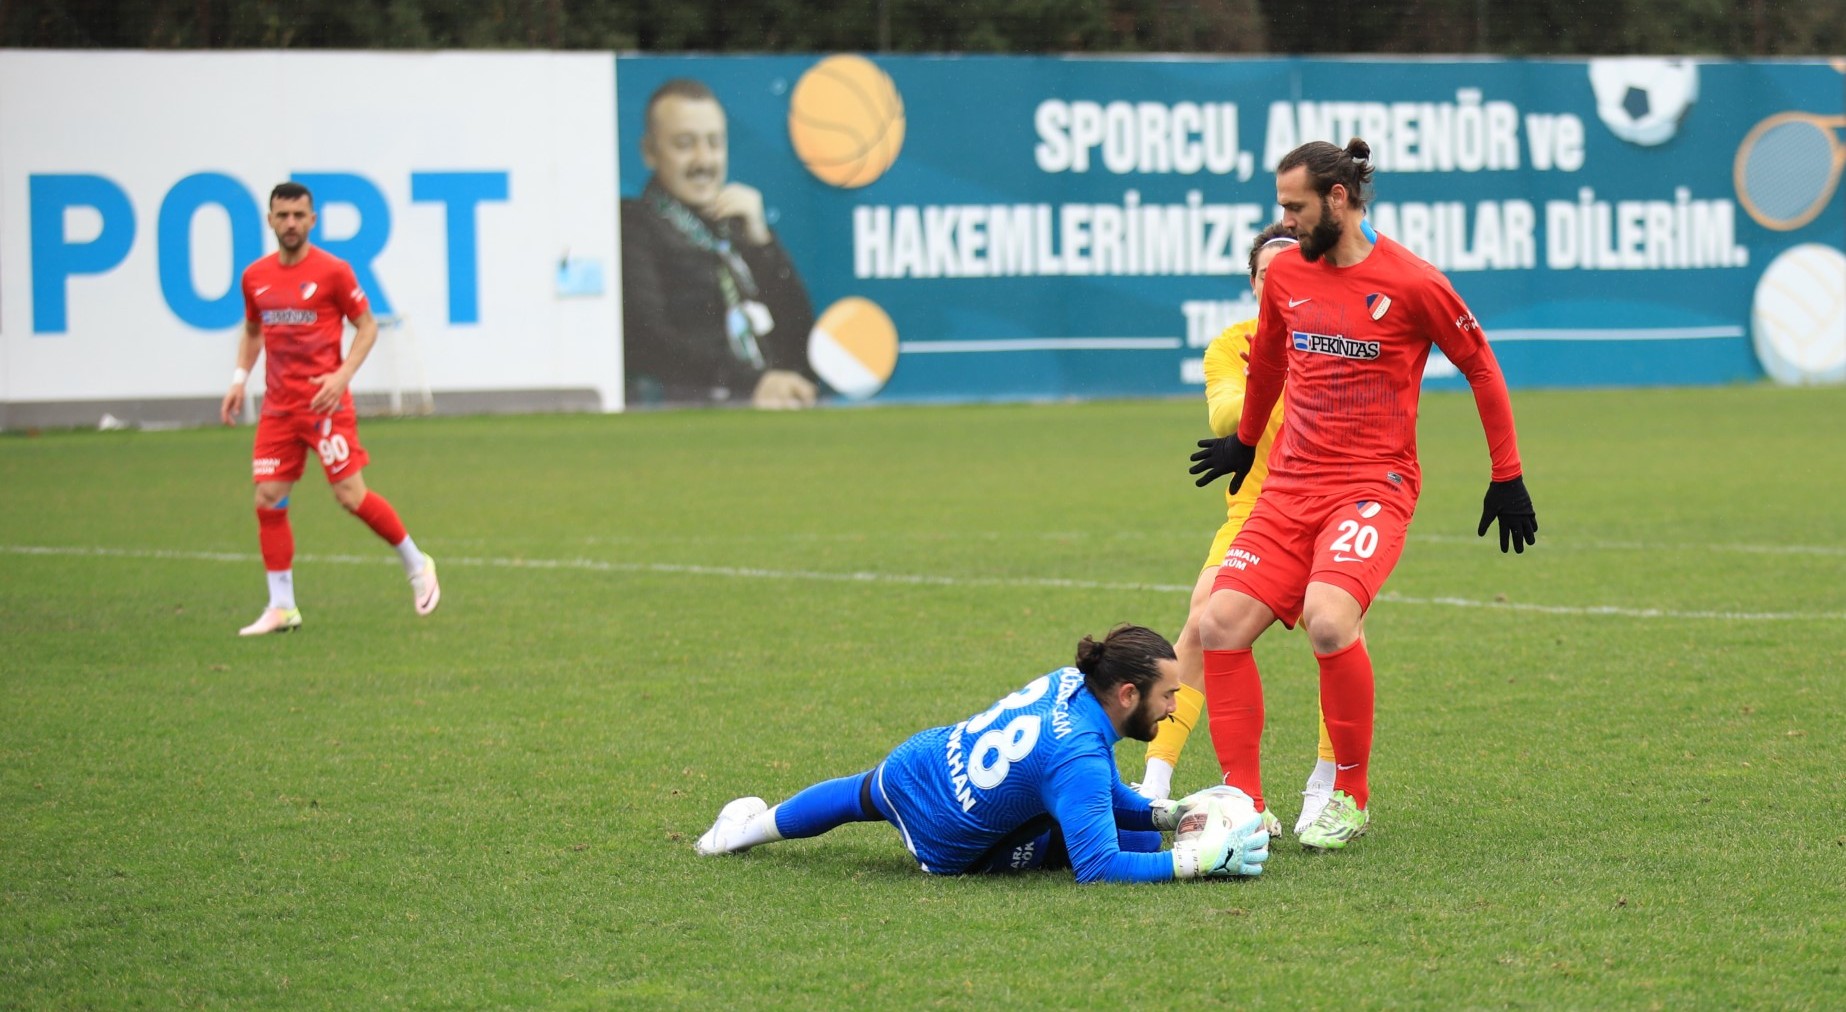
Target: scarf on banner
column 746, row 319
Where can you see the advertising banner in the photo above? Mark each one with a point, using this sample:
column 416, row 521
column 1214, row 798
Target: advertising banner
column 912, row 228
column 473, row 195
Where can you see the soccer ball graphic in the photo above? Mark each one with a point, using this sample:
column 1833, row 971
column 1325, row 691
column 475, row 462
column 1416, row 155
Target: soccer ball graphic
column 1643, row 99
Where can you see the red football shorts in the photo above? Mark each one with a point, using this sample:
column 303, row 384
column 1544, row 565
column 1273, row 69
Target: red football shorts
column 1349, row 540
column 283, row 442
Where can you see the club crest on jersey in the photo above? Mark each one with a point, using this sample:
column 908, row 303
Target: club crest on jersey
column 1368, row 509
column 308, row 288
column 1379, row 304
column 1335, row 345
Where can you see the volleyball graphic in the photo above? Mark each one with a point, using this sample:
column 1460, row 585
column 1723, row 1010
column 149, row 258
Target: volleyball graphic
column 853, row 347
column 846, row 121
column 1798, row 321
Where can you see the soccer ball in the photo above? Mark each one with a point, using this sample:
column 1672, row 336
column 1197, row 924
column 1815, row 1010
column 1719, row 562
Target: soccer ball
column 1643, row 99
column 1224, row 804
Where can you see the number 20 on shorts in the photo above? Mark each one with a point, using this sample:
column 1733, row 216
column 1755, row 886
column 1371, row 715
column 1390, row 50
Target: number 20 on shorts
column 1359, row 539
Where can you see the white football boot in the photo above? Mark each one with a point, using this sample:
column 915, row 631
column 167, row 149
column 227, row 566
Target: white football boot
column 1313, row 802
column 726, row 836
column 424, row 588
column 273, row 620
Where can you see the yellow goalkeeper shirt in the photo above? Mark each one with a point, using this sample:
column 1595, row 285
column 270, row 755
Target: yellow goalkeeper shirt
column 1225, row 377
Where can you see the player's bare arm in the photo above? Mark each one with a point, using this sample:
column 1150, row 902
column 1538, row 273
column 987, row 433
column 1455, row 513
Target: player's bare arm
column 334, row 384
column 248, row 348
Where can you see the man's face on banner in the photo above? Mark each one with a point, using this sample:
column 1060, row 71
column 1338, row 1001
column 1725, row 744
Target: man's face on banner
column 685, row 146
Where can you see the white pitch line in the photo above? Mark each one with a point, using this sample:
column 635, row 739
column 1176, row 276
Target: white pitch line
column 909, row 579
column 1644, row 546
column 1619, row 612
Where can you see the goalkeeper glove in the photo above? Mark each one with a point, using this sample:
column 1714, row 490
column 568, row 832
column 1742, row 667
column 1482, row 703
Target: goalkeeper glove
column 1508, row 502
column 1223, row 851
column 1219, row 457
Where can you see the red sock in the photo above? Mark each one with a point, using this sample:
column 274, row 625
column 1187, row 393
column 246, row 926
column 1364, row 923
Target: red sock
column 1346, row 701
column 278, row 541
column 1234, row 699
column 377, row 513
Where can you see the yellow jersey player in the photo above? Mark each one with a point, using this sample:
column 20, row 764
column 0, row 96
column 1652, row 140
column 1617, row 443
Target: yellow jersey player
column 1225, row 362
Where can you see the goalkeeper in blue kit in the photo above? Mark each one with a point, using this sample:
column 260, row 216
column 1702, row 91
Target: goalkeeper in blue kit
column 1029, row 783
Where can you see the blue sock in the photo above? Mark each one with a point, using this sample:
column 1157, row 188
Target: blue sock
column 1142, row 841
column 824, row 806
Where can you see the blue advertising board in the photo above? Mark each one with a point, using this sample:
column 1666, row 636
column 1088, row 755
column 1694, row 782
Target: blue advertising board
column 1046, row 227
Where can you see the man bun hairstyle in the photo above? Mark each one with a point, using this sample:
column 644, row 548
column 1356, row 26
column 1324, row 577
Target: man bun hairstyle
column 1350, row 167
column 1130, row 653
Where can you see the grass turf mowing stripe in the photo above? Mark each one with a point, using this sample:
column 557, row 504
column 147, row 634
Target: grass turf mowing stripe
column 916, row 579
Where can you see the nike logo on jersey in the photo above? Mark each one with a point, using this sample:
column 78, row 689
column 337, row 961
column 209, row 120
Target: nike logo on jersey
column 1292, row 303
column 261, row 290
column 1337, row 557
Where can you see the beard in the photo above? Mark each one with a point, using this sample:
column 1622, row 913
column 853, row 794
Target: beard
column 1322, row 237
column 1143, row 725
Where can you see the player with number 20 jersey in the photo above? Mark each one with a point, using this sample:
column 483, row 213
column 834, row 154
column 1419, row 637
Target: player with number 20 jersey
column 1348, row 320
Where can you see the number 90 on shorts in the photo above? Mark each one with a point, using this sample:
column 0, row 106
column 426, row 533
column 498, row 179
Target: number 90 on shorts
column 284, row 441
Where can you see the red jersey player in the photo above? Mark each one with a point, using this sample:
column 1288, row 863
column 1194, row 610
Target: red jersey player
column 1349, row 324
column 296, row 304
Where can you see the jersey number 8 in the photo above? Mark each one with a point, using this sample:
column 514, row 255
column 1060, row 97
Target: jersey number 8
column 1006, row 745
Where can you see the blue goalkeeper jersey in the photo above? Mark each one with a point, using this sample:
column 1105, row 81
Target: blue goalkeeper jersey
column 1043, row 754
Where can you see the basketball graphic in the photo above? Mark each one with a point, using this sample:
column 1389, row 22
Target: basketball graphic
column 853, row 347
column 846, row 121
column 1798, row 321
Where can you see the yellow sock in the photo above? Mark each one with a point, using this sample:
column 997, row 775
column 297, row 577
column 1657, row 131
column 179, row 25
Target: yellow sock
column 1172, row 734
column 1326, row 741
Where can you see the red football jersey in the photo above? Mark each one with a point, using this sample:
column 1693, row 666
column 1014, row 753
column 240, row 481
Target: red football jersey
column 303, row 309
column 1352, row 343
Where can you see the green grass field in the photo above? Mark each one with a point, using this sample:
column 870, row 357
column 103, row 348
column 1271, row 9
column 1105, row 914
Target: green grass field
column 1607, row 772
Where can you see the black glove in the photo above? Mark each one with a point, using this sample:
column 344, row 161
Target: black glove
column 1219, row 457
column 1508, row 501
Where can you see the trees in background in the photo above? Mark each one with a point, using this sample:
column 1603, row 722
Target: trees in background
column 1528, row 28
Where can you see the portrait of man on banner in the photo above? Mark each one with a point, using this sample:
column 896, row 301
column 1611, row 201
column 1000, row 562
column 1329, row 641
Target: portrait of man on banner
column 714, row 311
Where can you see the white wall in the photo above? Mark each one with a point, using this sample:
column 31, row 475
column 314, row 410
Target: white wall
column 516, row 149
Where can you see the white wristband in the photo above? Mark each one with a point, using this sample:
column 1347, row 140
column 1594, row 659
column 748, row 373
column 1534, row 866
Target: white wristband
column 1185, row 859
column 238, row 375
